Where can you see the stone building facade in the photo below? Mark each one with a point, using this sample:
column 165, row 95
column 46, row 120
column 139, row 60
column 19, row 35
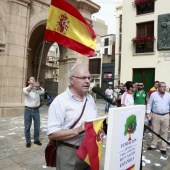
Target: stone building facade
column 22, row 26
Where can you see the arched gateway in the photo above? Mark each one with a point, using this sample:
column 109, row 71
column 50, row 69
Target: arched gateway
column 22, row 26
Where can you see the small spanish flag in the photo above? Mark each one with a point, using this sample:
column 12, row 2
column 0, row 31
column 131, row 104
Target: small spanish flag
column 131, row 168
column 90, row 149
column 66, row 26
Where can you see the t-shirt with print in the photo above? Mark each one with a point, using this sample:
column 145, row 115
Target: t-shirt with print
column 140, row 97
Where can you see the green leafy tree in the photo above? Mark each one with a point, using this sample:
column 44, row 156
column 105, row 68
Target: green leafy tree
column 130, row 126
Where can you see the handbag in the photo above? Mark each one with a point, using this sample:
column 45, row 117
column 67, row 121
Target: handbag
column 51, row 148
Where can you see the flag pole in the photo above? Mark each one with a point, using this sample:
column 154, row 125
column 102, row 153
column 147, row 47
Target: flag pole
column 42, row 50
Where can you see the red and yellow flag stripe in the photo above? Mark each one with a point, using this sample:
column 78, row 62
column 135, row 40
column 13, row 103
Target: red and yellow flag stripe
column 91, row 148
column 67, row 27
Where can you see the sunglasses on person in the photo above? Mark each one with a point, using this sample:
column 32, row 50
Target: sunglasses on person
column 140, row 84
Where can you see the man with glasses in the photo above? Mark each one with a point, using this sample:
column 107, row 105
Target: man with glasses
column 159, row 104
column 141, row 97
column 32, row 93
column 63, row 112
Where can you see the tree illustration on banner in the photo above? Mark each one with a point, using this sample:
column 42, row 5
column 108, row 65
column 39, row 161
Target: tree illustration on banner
column 130, row 126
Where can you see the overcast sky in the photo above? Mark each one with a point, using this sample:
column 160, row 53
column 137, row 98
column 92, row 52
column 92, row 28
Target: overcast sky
column 107, row 13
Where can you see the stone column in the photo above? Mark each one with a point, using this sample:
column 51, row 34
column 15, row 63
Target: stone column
column 15, row 57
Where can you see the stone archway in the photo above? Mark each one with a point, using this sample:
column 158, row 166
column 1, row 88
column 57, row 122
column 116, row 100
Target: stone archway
column 34, row 65
column 34, row 50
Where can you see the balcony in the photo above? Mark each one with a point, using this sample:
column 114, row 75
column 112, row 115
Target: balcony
column 143, row 44
column 144, row 6
column 145, row 47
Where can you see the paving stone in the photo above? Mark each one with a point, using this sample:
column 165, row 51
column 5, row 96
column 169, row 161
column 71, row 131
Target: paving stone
column 27, row 158
column 7, row 163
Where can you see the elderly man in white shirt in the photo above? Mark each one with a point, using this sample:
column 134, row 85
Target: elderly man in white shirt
column 64, row 111
column 32, row 102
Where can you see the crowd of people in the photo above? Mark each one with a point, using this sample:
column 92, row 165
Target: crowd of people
column 157, row 101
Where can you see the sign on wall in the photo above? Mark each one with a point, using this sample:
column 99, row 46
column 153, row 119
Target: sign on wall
column 124, row 138
column 164, row 32
column 107, row 75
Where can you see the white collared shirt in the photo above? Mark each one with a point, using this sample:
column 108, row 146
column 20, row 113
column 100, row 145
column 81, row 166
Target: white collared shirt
column 127, row 99
column 32, row 98
column 65, row 110
column 109, row 92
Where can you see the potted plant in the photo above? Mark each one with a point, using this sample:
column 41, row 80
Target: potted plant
column 142, row 2
column 140, row 39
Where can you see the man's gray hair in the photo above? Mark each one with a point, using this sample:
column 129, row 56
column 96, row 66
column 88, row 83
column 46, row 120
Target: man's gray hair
column 73, row 69
column 160, row 83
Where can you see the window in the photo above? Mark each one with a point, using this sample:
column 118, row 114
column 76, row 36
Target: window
column 145, row 29
column 106, row 41
column 144, row 47
column 144, row 8
column 106, row 51
column 94, row 66
column 145, row 37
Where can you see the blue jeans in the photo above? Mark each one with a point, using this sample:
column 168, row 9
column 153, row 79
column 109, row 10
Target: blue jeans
column 107, row 106
column 30, row 114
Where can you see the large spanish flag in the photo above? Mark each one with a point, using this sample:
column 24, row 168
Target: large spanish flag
column 90, row 149
column 66, row 26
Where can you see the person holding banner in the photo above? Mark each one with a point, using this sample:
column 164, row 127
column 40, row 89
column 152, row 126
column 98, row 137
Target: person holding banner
column 159, row 104
column 64, row 111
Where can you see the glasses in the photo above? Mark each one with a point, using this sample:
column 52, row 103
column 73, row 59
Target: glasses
column 82, row 78
column 163, row 86
column 140, row 85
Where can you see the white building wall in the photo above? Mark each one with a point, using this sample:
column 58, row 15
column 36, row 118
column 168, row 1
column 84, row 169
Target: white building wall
column 148, row 60
column 100, row 29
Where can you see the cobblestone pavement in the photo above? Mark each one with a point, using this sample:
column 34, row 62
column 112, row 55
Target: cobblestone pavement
column 15, row 156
